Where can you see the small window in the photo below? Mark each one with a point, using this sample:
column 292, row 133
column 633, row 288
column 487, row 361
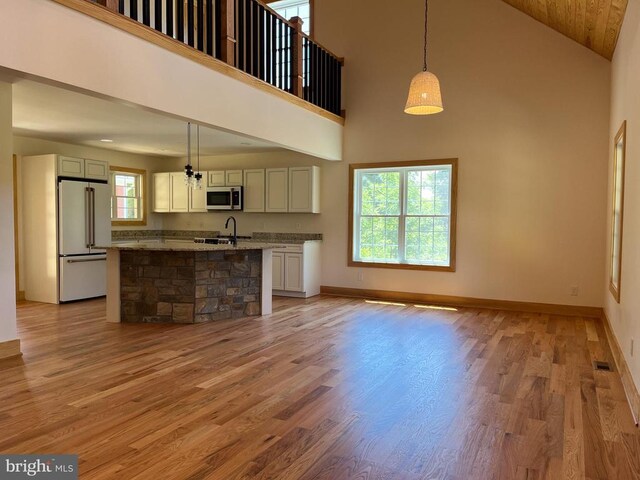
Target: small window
column 403, row 215
column 615, row 268
column 295, row 8
column 127, row 196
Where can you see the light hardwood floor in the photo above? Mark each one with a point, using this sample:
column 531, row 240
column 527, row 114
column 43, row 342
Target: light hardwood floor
column 329, row 388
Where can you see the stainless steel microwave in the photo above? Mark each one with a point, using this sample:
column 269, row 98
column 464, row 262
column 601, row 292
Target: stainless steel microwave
column 224, row 198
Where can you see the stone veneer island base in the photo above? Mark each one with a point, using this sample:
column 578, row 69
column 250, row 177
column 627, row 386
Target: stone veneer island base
column 178, row 283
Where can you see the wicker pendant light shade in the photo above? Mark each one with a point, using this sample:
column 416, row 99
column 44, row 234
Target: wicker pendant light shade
column 424, row 94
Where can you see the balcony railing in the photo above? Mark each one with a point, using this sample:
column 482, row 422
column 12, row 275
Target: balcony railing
column 249, row 36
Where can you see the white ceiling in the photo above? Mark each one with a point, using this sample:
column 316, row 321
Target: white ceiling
column 52, row 113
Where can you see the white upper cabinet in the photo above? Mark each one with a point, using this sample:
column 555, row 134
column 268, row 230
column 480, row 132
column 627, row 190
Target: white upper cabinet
column 161, row 192
column 83, row 168
column 179, row 197
column 254, row 190
column 96, row 170
column 171, row 194
column 233, row 178
column 225, row 178
column 198, row 200
column 70, row 167
column 277, row 191
column 216, row 179
column 304, row 189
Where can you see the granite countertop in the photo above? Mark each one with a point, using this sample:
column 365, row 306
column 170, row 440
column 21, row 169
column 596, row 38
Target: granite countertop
column 257, row 237
column 123, row 235
column 186, row 247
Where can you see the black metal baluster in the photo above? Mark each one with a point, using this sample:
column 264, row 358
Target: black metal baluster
column 323, row 75
column 169, row 16
column 289, row 75
column 180, row 20
column 133, row 9
column 146, row 12
column 261, row 42
column 209, row 22
column 191, row 30
column 268, row 46
column 200, row 24
column 158, row 15
column 247, row 36
column 255, row 50
column 121, row 7
column 316, row 74
column 336, row 81
column 274, row 50
column 281, row 58
column 320, row 82
column 241, row 34
column 339, row 90
column 329, row 81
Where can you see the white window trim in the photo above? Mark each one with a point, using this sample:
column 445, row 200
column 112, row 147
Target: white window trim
column 140, row 190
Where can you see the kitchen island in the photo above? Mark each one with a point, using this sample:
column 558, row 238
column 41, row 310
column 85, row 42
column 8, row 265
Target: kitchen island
column 187, row 282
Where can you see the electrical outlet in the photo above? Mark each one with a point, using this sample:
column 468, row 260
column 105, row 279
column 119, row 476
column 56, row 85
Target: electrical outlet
column 360, row 276
column 262, row 226
column 631, row 347
column 574, row 291
column 298, row 226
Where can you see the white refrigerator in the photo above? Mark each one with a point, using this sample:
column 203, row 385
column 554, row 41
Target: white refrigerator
column 84, row 222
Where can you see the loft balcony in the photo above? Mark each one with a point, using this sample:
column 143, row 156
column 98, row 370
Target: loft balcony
column 234, row 65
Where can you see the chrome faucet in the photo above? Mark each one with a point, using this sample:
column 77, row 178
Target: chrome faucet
column 234, row 240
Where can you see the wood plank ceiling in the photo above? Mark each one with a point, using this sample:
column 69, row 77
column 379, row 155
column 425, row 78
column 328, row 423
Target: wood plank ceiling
column 593, row 23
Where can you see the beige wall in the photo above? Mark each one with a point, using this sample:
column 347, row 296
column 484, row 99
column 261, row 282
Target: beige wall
column 25, row 146
column 625, row 105
column 526, row 112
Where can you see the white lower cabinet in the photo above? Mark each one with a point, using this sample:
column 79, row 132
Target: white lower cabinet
column 278, row 270
column 296, row 270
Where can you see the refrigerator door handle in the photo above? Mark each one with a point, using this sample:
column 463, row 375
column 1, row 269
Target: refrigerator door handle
column 87, row 217
column 93, row 217
column 86, row 260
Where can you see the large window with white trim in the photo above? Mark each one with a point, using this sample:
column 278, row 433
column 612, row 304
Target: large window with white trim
column 403, row 215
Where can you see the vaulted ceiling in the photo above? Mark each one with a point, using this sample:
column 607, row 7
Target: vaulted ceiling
column 593, row 23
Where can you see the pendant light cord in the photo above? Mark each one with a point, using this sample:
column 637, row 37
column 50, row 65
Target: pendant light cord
column 426, row 16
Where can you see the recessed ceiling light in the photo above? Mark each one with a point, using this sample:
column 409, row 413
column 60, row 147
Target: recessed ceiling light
column 106, row 140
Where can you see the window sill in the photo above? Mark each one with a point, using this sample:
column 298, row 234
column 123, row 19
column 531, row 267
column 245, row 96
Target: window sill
column 403, row 266
column 128, row 223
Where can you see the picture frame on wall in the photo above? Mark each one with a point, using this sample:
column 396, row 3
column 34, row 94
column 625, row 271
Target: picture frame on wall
column 617, row 217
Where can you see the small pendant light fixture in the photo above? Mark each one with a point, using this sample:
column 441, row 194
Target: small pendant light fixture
column 198, row 176
column 424, row 94
column 188, row 169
